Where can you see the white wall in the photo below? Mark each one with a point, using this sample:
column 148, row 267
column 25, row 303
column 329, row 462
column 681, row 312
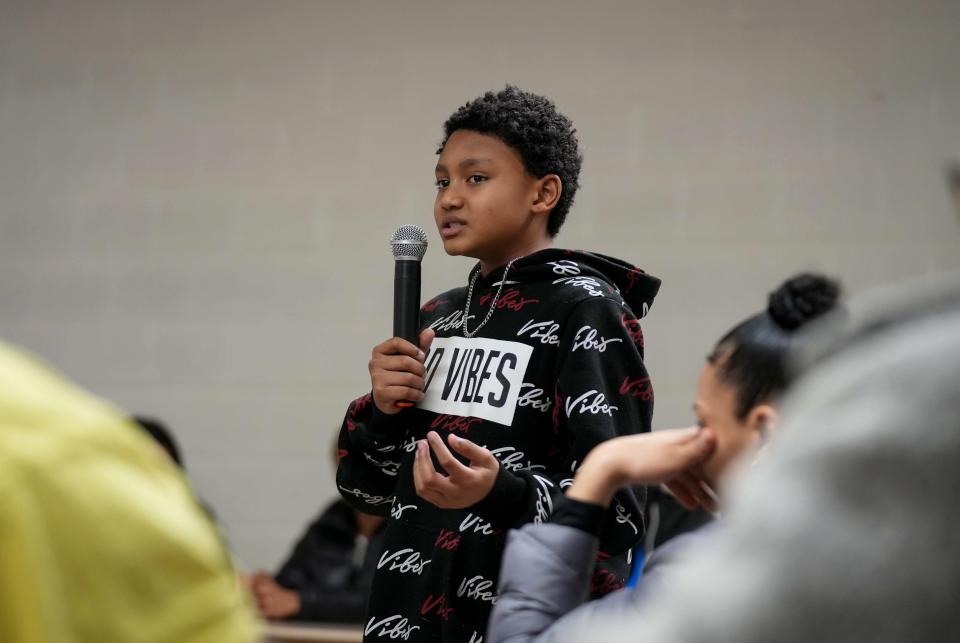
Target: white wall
column 195, row 197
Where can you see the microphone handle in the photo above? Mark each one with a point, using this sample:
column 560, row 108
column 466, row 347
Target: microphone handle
column 406, row 300
column 406, row 306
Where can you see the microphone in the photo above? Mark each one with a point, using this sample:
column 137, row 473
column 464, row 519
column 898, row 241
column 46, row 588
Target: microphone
column 408, row 245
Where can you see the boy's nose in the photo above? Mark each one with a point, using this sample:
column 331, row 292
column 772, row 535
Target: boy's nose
column 451, row 200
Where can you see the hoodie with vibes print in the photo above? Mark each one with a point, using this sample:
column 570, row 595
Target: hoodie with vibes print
column 557, row 368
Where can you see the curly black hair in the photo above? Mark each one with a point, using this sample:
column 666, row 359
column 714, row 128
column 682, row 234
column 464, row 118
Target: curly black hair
column 544, row 138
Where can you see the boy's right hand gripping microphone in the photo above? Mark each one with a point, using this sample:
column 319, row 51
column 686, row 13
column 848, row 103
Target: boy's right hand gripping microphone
column 408, row 244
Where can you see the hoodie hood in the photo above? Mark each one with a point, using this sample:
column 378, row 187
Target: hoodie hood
column 637, row 288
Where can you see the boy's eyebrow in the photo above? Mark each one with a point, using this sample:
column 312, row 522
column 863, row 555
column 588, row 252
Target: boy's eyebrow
column 465, row 163
column 472, row 161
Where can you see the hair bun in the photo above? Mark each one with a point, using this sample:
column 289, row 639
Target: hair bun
column 802, row 298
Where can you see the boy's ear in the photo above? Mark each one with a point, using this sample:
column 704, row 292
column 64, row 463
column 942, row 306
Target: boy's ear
column 549, row 189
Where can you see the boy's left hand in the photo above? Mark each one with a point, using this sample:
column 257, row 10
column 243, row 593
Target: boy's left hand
column 463, row 485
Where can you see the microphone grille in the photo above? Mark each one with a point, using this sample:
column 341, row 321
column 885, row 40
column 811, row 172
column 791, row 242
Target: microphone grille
column 409, row 242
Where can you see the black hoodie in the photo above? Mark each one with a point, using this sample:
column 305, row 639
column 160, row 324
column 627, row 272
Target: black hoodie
column 330, row 567
column 556, row 369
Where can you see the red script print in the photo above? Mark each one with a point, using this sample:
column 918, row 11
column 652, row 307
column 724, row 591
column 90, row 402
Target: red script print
column 359, row 404
column 438, row 605
column 557, row 405
column 454, row 423
column 633, row 276
column 510, row 299
column 447, row 540
column 604, row 581
column 433, row 304
column 639, row 387
column 633, row 329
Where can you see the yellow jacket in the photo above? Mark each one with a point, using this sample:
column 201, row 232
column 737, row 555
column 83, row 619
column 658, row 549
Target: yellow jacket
column 101, row 539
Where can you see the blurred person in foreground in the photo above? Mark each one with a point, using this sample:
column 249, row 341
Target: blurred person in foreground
column 847, row 530
column 544, row 580
column 101, row 538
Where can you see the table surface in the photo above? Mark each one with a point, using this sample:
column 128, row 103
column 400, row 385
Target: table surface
column 317, row 632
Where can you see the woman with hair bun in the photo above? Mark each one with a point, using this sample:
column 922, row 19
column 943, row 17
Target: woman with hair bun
column 747, row 372
column 545, row 572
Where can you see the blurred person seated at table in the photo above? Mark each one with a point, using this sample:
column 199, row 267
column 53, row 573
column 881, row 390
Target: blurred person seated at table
column 100, row 536
column 328, row 574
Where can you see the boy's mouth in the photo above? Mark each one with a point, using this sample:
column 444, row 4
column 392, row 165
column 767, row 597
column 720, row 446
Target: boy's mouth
column 451, row 227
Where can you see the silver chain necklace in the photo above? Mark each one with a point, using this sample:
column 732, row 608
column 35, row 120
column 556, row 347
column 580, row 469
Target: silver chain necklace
column 493, row 304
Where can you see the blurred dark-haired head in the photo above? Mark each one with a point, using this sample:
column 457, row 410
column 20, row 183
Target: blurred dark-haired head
column 748, row 369
column 159, row 432
column 752, row 357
